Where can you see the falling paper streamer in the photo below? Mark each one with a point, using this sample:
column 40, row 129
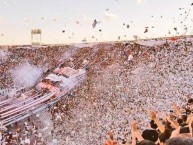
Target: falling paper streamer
column 94, row 24
column 185, row 31
column 146, row 30
column 84, row 40
column 135, row 37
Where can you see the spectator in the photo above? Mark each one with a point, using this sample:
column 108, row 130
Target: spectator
column 146, row 142
column 179, row 141
column 111, row 140
column 151, row 135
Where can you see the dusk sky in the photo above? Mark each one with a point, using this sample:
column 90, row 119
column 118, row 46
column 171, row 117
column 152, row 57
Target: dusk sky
column 75, row 17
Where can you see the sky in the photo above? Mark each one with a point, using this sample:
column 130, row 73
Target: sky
column 70, row 21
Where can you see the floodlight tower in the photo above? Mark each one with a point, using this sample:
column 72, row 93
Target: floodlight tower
column 36, row 36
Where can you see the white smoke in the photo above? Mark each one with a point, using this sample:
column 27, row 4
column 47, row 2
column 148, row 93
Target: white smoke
column 26, row 75
column 74, row 80
column 69, row 53
column 70, row 83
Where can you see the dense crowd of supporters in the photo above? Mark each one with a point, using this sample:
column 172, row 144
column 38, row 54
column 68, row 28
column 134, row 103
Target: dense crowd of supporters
column 48, row 57
column 167, row 130
column 175, row 128
column 21, row 133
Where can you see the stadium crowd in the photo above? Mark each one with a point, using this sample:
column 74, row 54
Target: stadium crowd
column 22, row 133
column 47, row 57
column 92, row 112
column 175, row 128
